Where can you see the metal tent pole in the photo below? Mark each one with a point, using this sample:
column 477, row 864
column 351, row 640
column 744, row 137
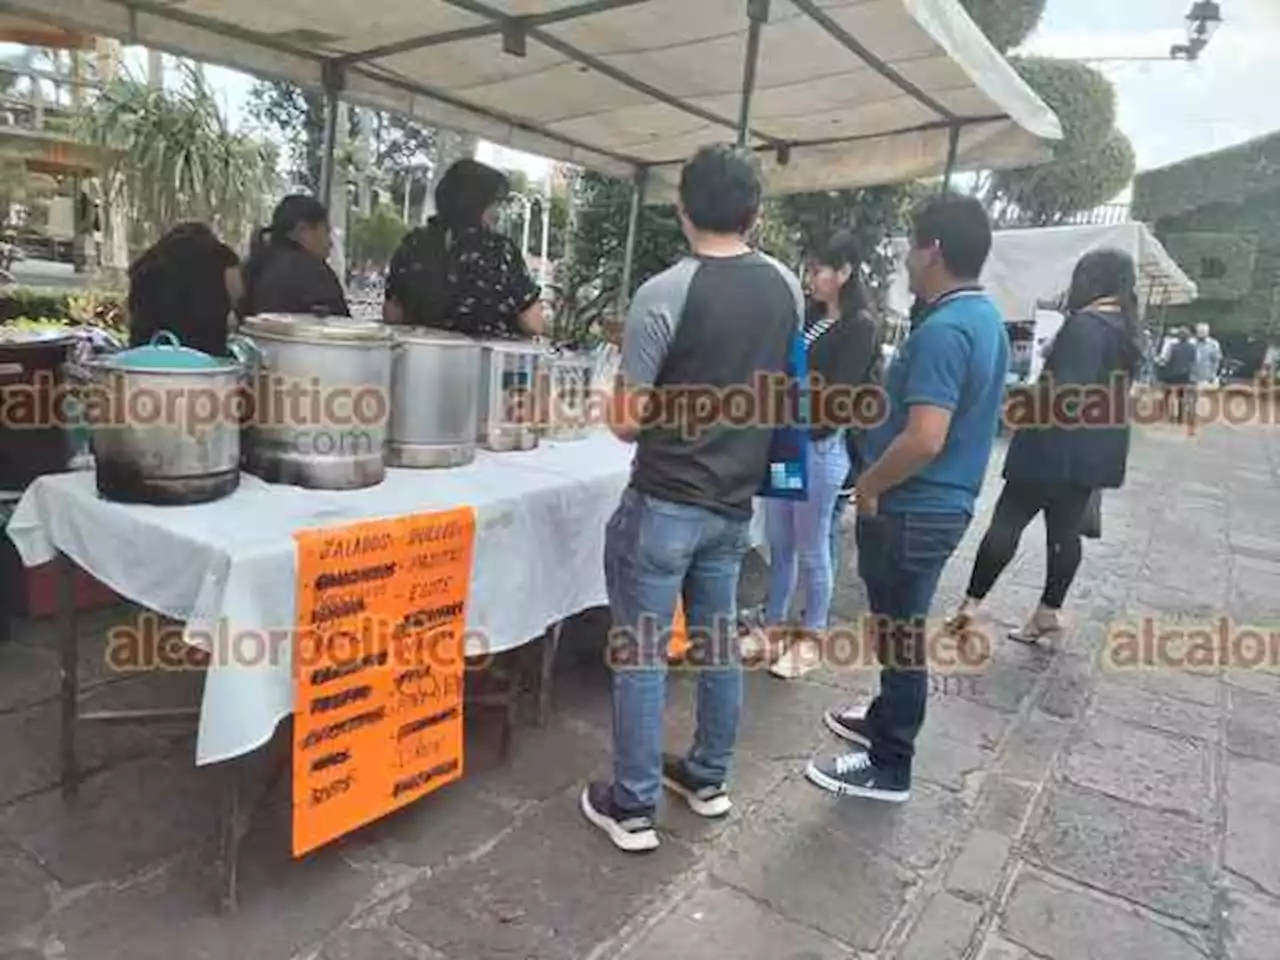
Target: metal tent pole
column 332, row 78
column 633, row 228
column 953, row 150
column 758, row 13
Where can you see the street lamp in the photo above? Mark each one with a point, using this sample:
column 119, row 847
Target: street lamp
column 1203, row 21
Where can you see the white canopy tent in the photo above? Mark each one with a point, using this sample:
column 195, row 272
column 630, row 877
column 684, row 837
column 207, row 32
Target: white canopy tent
column 831, row 93
column 1031, row 266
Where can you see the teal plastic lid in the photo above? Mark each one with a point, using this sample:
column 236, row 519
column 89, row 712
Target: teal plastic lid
column 165, row 352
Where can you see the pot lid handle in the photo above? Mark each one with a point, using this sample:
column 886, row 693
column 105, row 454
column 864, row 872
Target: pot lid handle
column 165, row 338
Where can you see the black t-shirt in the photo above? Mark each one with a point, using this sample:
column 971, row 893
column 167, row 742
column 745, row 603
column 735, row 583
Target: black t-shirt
column 843, row 356
column 290, row 280
column 486, row 285
column 696, row 332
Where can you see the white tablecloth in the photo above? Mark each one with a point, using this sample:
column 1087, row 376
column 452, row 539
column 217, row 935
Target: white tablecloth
column 229, row 567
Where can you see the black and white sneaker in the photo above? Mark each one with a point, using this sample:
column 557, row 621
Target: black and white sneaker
column 631, row 832
column 854, row 775
column 849, row 725
column 705, row 799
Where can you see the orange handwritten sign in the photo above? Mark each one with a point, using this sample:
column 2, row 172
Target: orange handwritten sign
column 680, row 644
column 378, row 666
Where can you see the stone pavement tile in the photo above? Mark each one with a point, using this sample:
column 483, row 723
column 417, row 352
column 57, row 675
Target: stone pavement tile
column 1253, row 726
column 449, row 823
column 1201, row 688
column 976, row 871
column 1032, row 747
column 818, row 876
column 29, row 746
column 1003, row 685
column 373, row 943
column 24, row 890
column 1263, row 680
column 1067, row 689
column 1002, row 804
column 1174, row 604
column 286, row 907
column 1253, row 809
column 1143, row 766
column 959, row 739
column 1143, row 707
column 554, row 889
column 1161, row 860
column 782, row 719
column 1253, row 927
column 543, row 762
column 918, row 834
column 30, row 676
column 943, row 931
column 717, row 923
column 124, row 820
column 1060, row 923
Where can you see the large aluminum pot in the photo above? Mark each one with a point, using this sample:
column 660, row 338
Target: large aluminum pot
column 163, row 435
column 435, row 389
column 322, row 392
column 509, row 380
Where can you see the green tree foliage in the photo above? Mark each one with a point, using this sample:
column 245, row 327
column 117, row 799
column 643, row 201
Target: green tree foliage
column 297, row 117
column 1091, row 164
column 176, row 159
column 1007, row 23
column 374, row 238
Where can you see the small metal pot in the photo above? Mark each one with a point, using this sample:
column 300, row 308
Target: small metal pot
column 435, row 386
column 568, row 378
column 509, row 383
column 322, row 389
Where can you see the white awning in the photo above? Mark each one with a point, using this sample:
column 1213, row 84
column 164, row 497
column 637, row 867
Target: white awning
column 1033, row 265
column 847, row 92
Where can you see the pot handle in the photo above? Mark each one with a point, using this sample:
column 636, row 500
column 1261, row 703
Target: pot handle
column 11, row 372
column 246, row 352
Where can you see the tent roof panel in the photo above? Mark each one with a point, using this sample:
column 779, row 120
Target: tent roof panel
column 620, row 84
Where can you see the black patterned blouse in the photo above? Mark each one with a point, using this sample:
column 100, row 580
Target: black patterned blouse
column 487, row 285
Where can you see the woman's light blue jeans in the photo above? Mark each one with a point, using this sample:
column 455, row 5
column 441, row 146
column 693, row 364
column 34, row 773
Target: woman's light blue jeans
column 799, row 533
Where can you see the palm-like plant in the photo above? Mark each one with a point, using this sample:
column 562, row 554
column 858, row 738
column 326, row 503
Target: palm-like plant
column 174, row 158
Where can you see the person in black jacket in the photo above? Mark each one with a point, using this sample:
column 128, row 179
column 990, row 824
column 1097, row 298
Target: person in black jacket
column 842, row 341
column 186, row 283
column 1073, row 444
column 287, row 270
column 1178, row 375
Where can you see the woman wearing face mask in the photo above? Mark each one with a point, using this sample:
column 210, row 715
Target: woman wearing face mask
column 842, row 339
column 186, row 283
column 460, row 274
column 1057, row 468
column 287, row 270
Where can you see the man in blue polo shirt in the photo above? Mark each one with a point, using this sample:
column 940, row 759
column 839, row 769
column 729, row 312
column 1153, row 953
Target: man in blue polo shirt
column 928, row 459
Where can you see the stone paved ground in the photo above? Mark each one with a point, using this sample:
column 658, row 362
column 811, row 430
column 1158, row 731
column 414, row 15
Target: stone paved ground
column 1063, row 811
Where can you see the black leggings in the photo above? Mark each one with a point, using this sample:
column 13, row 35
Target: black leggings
column 1063, row 506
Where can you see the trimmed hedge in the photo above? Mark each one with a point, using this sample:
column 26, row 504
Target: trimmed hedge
column 98, row 308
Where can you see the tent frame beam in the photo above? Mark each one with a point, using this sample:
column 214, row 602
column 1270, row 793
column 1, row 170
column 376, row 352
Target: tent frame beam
column 758, row 15
column 577, row 12
column 838, row 33
column 633, row 230
column 334, row 81
column 599, row 66
column 953, row 153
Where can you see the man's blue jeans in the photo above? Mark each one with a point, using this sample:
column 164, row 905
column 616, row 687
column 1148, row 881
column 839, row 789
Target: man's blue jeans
column 655, row 551
column 900, row 559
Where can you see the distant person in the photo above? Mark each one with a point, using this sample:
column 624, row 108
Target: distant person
column 1178, row 374
column 915, row 499
column 459, row 273
column 287, row 270
column 188, row 282
column 723, row 316
column 1208, row 357
column 1057, row 468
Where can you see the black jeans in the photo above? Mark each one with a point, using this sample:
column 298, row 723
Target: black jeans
column 1063, row 506
column 900, row 558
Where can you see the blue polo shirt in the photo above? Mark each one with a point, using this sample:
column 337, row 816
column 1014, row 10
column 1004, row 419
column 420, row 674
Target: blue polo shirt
column 958, row 359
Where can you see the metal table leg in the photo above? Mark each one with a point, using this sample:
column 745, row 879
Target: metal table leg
column 68, row 627
column 546, row 673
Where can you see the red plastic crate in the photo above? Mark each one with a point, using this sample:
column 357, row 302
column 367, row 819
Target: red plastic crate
column 42, row 592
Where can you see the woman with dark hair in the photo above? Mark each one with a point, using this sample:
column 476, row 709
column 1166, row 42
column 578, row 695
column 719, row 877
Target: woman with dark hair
column 188, row 283
column 1074, row 446
column 287, row 270
column 458, row 273
column 842, row 339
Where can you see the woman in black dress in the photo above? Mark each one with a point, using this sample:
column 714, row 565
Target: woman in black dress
column 1077, row 445
column 458, row 273
column 287, row 270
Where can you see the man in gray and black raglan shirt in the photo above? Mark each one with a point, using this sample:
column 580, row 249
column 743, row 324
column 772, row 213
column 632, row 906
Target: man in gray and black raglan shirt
column 717, row 320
